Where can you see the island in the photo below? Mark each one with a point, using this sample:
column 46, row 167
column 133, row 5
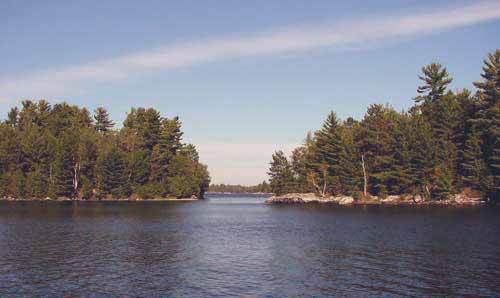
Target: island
column 443, row 150
column 61, row 152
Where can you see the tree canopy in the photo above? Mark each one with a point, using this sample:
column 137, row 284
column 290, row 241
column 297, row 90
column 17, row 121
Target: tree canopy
column 62, row 150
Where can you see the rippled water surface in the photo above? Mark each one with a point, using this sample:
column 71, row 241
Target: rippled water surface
column 240, row 247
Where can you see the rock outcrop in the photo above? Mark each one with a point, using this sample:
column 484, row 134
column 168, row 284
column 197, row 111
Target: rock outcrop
column 304, row 198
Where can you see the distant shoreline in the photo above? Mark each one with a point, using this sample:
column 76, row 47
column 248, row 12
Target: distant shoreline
column 238, row 193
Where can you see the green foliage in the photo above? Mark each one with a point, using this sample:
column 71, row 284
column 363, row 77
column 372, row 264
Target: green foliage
column 59, row 151
column 36, row 185
column 487, row 119
column 111, row 173
column 183, row 187
column 473, row 165
column 326, row 154
column 227, row 188
column 64, row 166
column 102, row 122
column 281, row 175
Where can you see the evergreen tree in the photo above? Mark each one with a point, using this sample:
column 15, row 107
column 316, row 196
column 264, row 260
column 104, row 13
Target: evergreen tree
column 36, row 185
column 111, row 174
column 377, row 143
column 442, row 184
column 487, row 118
column 326, row 153
column 422, row 150
column 280, row 173
column 350, row 168
column 13, row 117
column 298, row 163
column 63, row 184
column 169, row 142
column 436, row 79
column 102, row 122
column 474, row 167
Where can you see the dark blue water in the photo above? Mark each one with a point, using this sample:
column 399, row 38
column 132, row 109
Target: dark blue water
column 240, row 247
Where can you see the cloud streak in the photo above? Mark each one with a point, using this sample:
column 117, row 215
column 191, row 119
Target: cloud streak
column 354, row 33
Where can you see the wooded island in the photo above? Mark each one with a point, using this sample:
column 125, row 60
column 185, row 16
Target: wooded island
column 446, row 145
column 61, row 151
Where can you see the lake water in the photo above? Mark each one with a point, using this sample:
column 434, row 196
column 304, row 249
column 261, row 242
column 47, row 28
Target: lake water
column 240, row 247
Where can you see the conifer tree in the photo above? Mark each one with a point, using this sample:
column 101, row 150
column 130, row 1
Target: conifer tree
column 488, row 120
column 36, row 185
column 63, row 184
column 436, row 79
column 102, row 122
column 473, row 165
column 442, row 184
column 280, row 173
column 326, row 152
column 13, row 117
column 377, row 143
column 350, row 168
column 111, row 174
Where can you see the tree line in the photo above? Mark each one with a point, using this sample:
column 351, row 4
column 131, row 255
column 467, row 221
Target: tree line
column 229, row 188
column 62, row 151
column 446, row 143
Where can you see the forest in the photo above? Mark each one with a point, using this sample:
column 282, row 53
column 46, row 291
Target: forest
column 240, row 189
column 61, row 151
column 446, row 143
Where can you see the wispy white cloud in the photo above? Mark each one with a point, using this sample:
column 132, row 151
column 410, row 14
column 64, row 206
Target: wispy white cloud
column 70, row 80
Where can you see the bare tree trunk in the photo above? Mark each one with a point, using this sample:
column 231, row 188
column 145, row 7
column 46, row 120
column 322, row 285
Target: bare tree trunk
column 324, row 183
column 76, row 170
column 428, row 191
column 51, row 180
column 365, row 176
column 318, row 188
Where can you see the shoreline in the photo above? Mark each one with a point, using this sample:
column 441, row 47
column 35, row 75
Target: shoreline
column 239, row 193
column 459, row 200
column 104, row 200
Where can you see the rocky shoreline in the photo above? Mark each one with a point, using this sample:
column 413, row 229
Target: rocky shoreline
column 65, row 199
column 403, row 200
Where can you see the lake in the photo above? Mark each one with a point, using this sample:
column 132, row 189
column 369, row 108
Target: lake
column 228, row 246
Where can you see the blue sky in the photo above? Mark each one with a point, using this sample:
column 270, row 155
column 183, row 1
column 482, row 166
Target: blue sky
column 246, row 77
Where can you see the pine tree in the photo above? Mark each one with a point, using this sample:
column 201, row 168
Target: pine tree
column 102, row 122
column 422, row 153
column 298, row 163
column 13, row 117
column 17, row 188
column 377, row 144
column 169, row 142
column 36, row 185
column 63, row 185
column 473, row 165
column 436, row 79
column 326, row 152
column 111, row 174
column 280, row 173
column 442, row 184
column 350, row 168
column 488, row 120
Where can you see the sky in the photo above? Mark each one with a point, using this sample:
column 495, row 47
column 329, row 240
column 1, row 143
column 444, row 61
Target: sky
column 246, row 78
